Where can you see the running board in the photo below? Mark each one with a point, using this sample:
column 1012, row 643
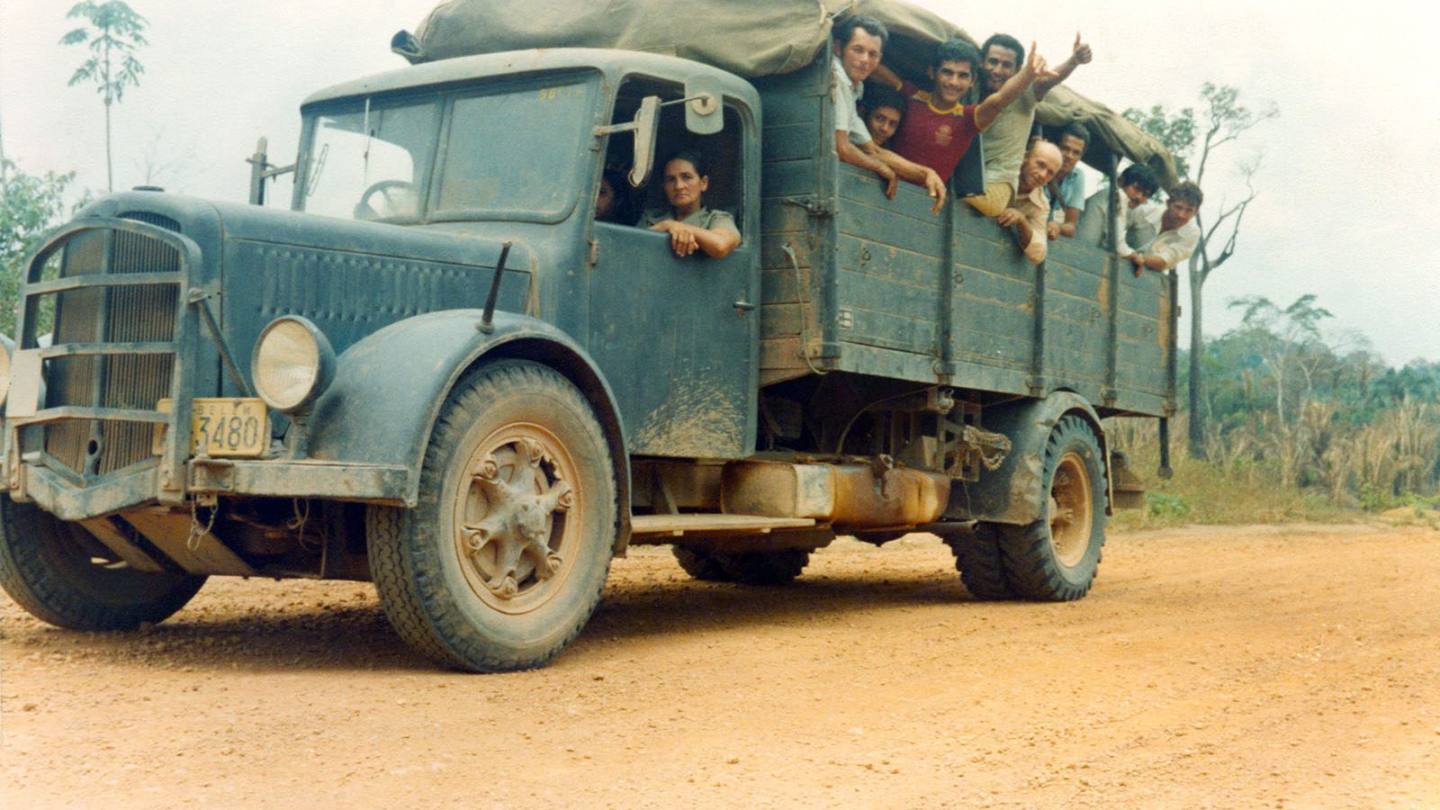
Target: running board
column 652, row 526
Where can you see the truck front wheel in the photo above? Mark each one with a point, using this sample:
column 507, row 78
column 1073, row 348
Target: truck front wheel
column 503, row 560
column 1055, row 559
column 60, row 574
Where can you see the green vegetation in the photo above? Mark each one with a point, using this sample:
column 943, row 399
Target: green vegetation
column 30, row 204
column 1297, row 427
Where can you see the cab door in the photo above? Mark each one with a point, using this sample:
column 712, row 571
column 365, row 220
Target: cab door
column 678, row 337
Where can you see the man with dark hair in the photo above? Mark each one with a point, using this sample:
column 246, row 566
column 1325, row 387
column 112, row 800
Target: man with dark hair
column 1029, row 209
column 1067, row 190
column 1006, row 140
column 859, row 44
column 938, row 127
column 1137, row 185
column 1177, row 232
column 884, row 110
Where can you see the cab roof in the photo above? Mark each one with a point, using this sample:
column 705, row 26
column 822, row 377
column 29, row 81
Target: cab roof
column 613, row 64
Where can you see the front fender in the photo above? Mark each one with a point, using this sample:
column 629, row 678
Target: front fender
column 1015, row 493
column 389, row 388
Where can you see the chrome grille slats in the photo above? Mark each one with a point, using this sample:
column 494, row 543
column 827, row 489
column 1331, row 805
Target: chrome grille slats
column 72, row 380
column 112, row 315
column 137, row 314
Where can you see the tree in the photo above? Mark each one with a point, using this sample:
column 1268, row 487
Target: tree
column 3, row 165
column 114, row 32
column 29, row 206
column 1222, row 121
column 1292, row 348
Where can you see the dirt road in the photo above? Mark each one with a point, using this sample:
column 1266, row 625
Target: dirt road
column 1272, row 666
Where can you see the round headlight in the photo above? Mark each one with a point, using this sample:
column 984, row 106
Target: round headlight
column 293, row 363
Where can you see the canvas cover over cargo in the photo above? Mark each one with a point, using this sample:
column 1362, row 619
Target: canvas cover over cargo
column 752, row 38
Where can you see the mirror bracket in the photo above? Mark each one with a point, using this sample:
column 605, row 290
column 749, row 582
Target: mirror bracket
column 645, row 125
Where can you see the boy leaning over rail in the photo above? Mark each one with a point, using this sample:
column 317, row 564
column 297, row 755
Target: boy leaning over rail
column 938, row 128
column 884, row 112
column 1178, row 234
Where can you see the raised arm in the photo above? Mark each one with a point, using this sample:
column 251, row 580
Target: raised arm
column 1079, row 55
column 989, row 109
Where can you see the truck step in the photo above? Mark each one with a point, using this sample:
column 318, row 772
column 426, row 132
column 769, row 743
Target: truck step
column 712, row 523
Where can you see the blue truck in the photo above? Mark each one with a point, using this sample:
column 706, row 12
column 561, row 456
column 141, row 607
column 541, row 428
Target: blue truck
column 440, row 373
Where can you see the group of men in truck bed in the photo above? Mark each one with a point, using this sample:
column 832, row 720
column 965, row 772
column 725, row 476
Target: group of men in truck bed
column 901, row 131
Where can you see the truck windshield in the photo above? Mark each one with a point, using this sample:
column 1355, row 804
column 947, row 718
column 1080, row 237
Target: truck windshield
column 515, row 150
column 371, row 162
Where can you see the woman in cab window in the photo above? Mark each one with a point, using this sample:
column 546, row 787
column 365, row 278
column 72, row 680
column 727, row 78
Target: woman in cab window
column 690, row 224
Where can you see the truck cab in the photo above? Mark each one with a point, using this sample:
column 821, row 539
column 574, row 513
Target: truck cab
column 518, row 156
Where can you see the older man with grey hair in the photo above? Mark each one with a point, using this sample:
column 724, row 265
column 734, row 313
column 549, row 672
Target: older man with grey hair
column 1029, row 209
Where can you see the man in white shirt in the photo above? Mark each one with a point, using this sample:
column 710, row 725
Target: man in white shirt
column 1177, row 232
column 859, row 46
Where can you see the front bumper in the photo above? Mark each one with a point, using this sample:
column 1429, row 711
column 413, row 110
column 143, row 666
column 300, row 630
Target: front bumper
column 53, row 492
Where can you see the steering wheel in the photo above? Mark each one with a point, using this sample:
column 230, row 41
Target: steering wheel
column 391, row 201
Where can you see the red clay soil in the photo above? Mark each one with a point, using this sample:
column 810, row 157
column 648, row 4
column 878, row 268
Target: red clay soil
column 1210, row 667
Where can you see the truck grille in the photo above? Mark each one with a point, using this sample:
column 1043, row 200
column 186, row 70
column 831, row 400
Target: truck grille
column 111, row 315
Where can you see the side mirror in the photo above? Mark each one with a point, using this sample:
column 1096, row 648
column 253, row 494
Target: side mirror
column 645, row 127
column 703, row 114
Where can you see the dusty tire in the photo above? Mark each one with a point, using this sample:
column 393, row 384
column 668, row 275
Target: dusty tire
column 701, row 563
column 1055, row 559
column 60, row 574
column 979, row 560
column 765, row 568
column 504, row 559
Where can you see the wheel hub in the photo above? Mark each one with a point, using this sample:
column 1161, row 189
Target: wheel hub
column 508, row 537
column 1070, row 515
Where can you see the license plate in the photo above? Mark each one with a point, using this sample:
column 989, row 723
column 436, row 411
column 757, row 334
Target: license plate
column 222, row 427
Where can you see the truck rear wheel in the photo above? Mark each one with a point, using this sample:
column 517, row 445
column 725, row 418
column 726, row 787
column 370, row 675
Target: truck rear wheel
column 701, row 563
column 503, row 560
column 775, row 567
column 61, row 575
column 980, row 562
column 1055, row 559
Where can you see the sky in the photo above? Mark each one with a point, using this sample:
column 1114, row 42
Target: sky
column 1348, row 201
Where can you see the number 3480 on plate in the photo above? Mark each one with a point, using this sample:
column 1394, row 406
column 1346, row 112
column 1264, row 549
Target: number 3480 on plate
column 223, row 427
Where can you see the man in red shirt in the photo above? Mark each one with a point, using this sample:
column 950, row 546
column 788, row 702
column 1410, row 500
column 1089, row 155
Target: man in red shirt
column 937, row 128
